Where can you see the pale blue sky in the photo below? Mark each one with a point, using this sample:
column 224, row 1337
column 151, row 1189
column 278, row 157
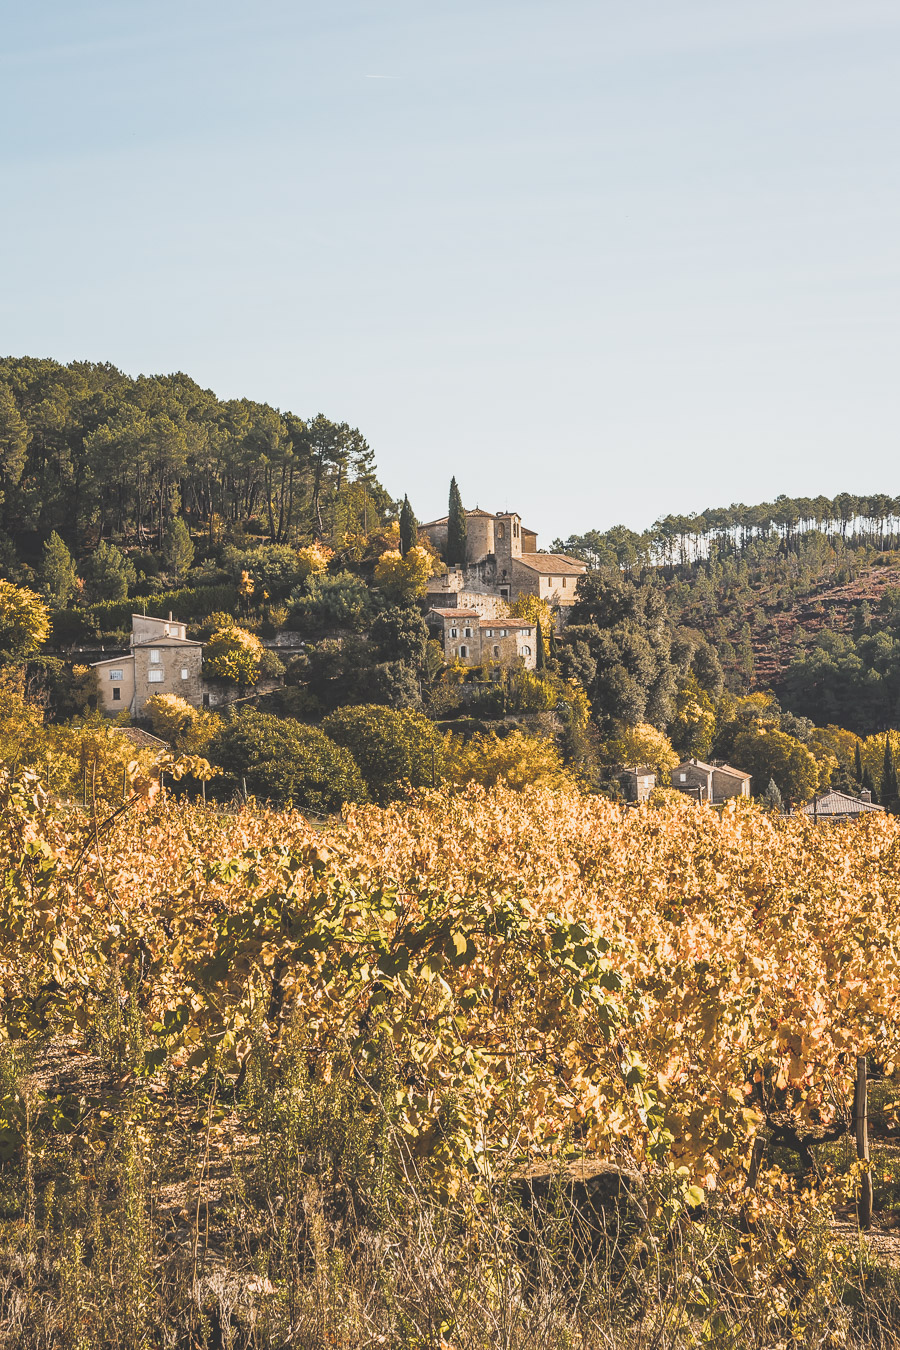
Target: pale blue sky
column 603, row 259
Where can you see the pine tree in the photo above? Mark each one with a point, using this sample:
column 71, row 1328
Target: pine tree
column 772, row 796
column 58, row 576
column 456, row 528
column 177, row 548
column 409, row 527
column 108, row 573
column 540, row 660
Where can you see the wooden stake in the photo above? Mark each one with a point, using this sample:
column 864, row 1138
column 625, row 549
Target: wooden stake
column 861, row 1121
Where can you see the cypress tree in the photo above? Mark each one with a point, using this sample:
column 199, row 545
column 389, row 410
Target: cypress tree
column 867, row 783
column 456, row 527
column 540, row 659
column 552, row 636
column 409, row 527
column 889, row 777
column 857, row 764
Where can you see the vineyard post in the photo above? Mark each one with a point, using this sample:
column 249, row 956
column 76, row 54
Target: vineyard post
column 861, row 1121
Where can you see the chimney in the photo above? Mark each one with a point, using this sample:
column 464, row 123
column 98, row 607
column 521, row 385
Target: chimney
column 170, row 616
column 865, row 795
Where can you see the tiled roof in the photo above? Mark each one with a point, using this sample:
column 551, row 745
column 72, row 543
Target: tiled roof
column 711, row 768
column 143, row 739
column 455, row 613
column 552, row 564
column 112, row 660
column 838, row 804
column 166, row 642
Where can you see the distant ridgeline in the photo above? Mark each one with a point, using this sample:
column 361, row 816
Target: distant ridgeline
column 91, row 453
column 870, row 522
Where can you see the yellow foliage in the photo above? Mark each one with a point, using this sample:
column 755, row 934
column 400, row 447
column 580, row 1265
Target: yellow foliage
column 640, row 746
column 535, row 610
column 517, row 760
column 403, row 579
column 233, row 654
column 175, row 720
column 871, row 753
column 313, row 559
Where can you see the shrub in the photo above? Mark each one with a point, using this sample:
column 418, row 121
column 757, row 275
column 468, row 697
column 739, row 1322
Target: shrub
column 286, row 762
column 391, row 747
column 341, row 601
column 400, row 578
column 233, row 655
column 24, row 620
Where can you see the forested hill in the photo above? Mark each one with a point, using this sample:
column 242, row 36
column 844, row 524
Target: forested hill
column 800, row 596
column 91, row 453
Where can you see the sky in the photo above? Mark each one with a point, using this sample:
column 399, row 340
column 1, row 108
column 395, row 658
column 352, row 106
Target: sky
column 603, row 260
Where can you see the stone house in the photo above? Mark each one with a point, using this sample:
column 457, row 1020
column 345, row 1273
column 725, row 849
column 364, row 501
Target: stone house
column 502, row 559
column 710, row 782
column 161, row 660
column 637, row 784
column 468, row 637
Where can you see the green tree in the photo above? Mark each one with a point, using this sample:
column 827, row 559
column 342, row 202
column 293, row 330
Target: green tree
column 768, row 753
column 285, row 762
column 409, row 527
column 772, row 797
column 58, row 576
column 393, row 748
column 540, row 660
column 456, row 527
column 400, row 634
column 24, row 620
column 177, row 547
column 108, row 573
column 326, row 601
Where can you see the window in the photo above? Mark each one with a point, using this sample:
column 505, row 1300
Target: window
column 467, row 632
column 155, row 676
column 497, row 652
column 526, row 632
column 115, row 674
column 454, row 632
column 502, row 632
column 206, row 700
column 516, row 528
column 117, row 695
column 184, row 672
column 464, row 652
column 527, row 651
column 154, row 657
column 504, row 592
column 682, row 778
column 564, row 581
column 499, row 531
column 489, row 632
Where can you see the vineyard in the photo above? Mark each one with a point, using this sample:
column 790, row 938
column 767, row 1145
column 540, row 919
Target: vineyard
column 268, row 1084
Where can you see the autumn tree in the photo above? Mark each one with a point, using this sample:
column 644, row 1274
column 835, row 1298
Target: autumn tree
column 516, row 760
column 233, row 655
column 403, row 579
column 766, row 753
column 24, row 621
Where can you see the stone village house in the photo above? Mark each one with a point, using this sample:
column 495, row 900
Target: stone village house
column 473, row 640
column 710, row 782
column 502, row 563
column 161, row 660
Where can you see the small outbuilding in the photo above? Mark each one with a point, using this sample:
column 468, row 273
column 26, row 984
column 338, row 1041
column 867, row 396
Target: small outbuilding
column 714, row 783
column 830, row 808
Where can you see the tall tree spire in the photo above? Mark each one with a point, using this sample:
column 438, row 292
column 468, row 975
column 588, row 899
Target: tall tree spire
column 456, row 527
column 409, row 527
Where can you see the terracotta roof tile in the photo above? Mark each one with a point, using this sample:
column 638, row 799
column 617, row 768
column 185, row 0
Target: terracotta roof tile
column 552, row 564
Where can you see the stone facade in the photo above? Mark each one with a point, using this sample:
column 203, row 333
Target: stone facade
column 711, row 782
column 472, row 640
column 161, row 660
column 502, row 559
